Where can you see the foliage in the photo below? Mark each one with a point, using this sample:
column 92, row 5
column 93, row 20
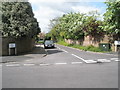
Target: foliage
column 112, row 18
column 75, row 26
column 85, row 48
column 71, row 26
column 48, row 36
column 18, row 20
column 63, row 43
column 92, row 27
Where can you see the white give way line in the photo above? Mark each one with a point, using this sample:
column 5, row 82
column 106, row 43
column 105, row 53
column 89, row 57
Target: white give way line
column 86, row 61
column 78, row 57
column 90, row 61
column 64, row 50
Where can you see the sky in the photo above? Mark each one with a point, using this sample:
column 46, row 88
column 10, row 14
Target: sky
column 46, row 10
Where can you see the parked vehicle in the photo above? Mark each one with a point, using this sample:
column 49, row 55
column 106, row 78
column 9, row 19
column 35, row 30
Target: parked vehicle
column 49, row 44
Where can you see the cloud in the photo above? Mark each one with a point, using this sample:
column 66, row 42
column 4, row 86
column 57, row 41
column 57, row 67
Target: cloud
column 44, row 14
column 85, row 9
column 45, row 11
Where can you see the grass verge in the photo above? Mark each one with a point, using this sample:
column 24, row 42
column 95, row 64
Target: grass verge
column 85, row 48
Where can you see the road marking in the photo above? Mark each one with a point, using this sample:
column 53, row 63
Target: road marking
column 76, row 62
column 90, row 61
column 60, row 63
column 103, row 60
column 0, row 65
column 78, row 57
column 114, row 59
column 12, row 65
column 44, row 64
column 117, row 60
column 58, row 48
column 87, row 51
column 28, row 64
column 28, row 60
column 64, row 50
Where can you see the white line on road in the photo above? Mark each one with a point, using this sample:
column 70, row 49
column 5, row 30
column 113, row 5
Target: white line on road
column 114, row 59
column 88, row 51
column 28, row 64
column 13, row 62
column 64, row 50
column 60, row 63
column 0, row 65
column 103, row 60
column 90, row 61
column 58, row 48
column 12, row 65
column 117, row 60
column 78, row 57
column 27, row 60
column 86, row 61
column 44, row 64
column 76, row 62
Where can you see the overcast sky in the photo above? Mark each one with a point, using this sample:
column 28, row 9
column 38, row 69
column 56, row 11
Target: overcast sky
column 45, row 10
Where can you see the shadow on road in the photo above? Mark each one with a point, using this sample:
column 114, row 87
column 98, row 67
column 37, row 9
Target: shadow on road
column 53, row 51
column 38, row 50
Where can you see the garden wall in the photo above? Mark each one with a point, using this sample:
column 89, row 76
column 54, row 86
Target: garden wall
column 87, row 41
column 23, row 45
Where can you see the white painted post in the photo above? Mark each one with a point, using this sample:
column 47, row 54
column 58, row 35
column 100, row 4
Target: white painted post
column 115, row 48
column 116, row 44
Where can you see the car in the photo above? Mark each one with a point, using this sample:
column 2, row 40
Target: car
column 49, row 44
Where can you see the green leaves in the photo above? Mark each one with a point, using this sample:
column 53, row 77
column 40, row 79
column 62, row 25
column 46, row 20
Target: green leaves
column 18, row 20
column 112, row 17
column 76, row 25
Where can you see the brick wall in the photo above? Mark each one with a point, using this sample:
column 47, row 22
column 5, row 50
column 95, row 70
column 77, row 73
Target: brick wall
column 23, row 45
column 90, row 41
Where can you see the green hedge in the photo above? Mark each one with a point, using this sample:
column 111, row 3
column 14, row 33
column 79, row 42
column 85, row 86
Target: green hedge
column 85, row 48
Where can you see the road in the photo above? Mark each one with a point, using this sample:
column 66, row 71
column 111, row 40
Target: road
column 63, row 67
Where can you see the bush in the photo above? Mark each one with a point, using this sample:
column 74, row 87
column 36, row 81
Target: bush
column 63, row 43
column 85, row 48
column 40, row 42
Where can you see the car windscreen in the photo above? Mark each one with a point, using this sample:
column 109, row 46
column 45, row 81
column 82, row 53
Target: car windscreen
column 48, row 42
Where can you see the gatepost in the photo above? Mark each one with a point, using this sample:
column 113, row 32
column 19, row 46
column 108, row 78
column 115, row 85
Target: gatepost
column 117, row 45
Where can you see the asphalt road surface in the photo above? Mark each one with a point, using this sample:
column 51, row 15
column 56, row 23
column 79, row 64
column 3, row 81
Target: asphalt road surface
column 63, row 67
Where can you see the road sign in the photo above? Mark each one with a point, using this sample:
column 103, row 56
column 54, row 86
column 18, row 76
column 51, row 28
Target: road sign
column 12, row 45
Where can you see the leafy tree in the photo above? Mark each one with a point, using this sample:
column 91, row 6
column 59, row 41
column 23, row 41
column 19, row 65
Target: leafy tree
column 76, row 25
column 112, row 19
column 92, row 27
column 18, row 20
column 70, row 26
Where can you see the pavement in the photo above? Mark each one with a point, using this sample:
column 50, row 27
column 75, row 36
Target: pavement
column 38, row 52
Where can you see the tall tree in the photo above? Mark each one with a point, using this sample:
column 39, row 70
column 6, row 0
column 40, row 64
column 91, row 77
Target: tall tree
column 18, row 20
column 112, row 19
column 76, row 25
